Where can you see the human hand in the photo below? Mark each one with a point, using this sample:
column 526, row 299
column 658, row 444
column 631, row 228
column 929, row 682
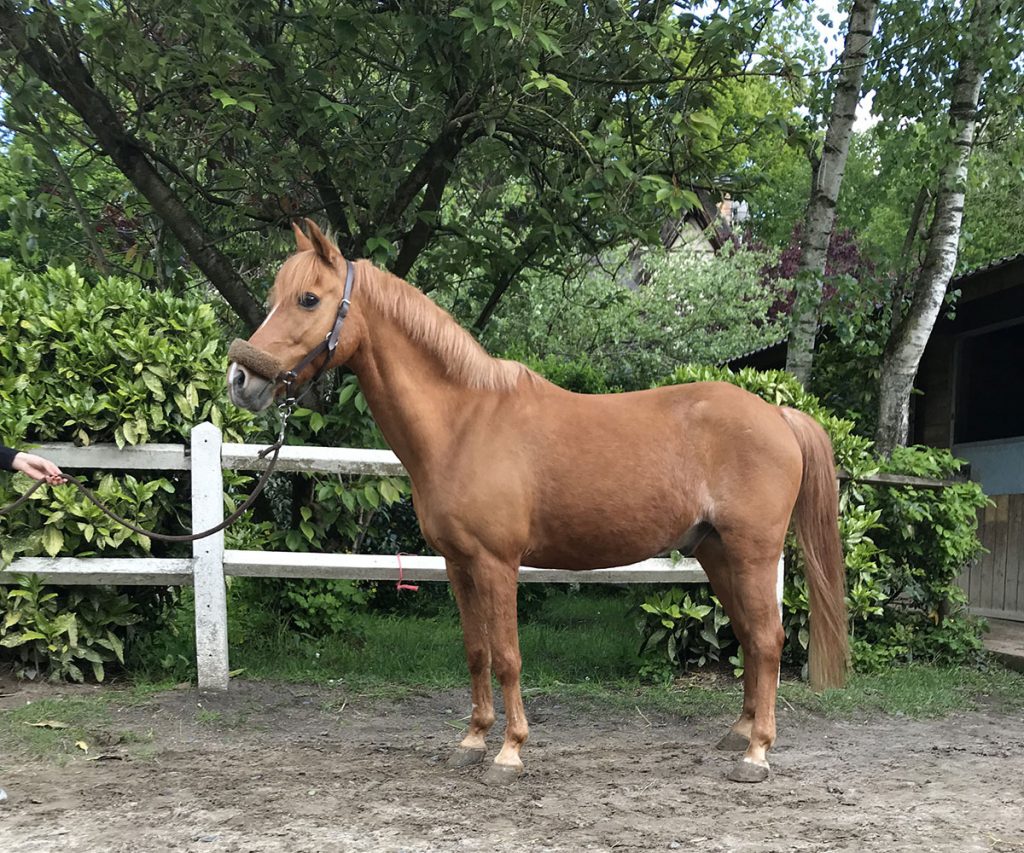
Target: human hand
column 38, row 468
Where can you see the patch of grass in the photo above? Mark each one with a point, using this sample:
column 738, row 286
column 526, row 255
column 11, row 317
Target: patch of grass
column 565, row 641
column 915, row 691
column 79, row 716
column 378, row 650
column 86, row 717
column 578, row 647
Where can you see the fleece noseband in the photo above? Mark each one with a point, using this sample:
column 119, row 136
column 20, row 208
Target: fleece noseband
column 269, row 367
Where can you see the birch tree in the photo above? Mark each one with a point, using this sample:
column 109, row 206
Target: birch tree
column 827, row 177
column 988, row 37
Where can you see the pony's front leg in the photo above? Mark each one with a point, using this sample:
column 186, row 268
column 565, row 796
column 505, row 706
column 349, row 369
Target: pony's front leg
column 498, row 582
column 478, row 658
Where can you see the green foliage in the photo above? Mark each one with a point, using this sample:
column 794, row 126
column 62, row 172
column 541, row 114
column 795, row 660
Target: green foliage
column 166, row 650
column 904, row 546
column 510, row 133
column 58, row 633
column 576, row 374
column 103, row 362
column 107, row 361
column 997, row 171
column 88, row 362
column 314, row 607
column 688, row 625
column 690, row 307
column 321, row 606
column 927, row 537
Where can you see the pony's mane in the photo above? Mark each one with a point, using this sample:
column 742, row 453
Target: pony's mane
column 418, row 316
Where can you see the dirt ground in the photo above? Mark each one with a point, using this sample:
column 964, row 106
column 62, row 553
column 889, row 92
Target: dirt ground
column 294, row 769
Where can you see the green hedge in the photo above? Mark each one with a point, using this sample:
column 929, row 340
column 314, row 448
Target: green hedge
column 904, row 547
column 110, row 361
column 90, row 362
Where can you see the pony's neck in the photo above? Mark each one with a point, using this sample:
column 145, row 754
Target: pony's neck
column 409, row 369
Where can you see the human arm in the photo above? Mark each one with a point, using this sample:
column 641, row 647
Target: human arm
column 30, row 465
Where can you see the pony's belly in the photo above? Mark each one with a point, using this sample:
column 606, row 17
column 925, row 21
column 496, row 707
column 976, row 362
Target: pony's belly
column 602, row 551
column 595, row 529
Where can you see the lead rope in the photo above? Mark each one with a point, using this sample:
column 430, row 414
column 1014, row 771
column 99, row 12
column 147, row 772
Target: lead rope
column 286, row 410
column 13, row 505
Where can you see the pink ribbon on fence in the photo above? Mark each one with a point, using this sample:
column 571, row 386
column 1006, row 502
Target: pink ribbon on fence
column 400, row 585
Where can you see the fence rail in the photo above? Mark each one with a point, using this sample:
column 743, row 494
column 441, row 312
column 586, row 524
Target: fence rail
column 206, row 458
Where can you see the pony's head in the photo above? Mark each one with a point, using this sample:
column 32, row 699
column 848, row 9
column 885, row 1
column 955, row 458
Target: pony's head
column 303, row 334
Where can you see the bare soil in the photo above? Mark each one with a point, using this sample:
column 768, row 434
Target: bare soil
column 299, row 769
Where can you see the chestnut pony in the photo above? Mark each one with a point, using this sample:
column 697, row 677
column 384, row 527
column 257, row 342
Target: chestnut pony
column 508, row 470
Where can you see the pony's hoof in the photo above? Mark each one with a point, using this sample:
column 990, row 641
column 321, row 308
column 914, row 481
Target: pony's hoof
column 733, row 742
column 745, row 770
column 466, row 757
column 500, row 775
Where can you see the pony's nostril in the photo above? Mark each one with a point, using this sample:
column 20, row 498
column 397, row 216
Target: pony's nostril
column 239, row 377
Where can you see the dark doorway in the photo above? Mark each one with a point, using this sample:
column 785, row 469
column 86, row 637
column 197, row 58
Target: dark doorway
column 990, row 386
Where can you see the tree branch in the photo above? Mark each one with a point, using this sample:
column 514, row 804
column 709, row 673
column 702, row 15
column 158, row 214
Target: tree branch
column 59, row 64
column 530, row 246
column 442, row 150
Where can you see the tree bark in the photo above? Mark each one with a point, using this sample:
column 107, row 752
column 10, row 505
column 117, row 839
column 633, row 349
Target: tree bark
column 529, row 247
column 59, row 65
column 905, row 347
column 415, row 241
column 827, row 179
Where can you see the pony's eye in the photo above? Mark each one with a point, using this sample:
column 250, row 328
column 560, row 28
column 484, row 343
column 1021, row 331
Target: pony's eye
column 309, row 300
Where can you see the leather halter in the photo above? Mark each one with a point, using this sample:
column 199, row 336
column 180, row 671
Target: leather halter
column 327, row 346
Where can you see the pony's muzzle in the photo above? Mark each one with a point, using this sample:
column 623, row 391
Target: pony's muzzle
column 258, row 361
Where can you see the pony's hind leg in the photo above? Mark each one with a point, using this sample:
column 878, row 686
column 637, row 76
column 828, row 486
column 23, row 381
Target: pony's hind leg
column 715, row 567
column 478, row 658
column 748, row 583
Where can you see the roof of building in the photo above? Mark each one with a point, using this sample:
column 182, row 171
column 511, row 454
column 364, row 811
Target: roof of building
column 761, row 349
column 991, row 266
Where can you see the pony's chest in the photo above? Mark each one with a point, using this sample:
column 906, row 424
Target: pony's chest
column 463, row 518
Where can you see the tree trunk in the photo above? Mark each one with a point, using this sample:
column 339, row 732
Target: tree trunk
column 59, row 65
column 827, row 179
column 906, row 345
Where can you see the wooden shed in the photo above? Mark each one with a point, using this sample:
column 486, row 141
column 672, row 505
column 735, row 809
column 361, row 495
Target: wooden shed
column 971, row 383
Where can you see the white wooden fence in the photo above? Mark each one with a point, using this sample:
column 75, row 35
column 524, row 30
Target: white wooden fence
column 206, row 458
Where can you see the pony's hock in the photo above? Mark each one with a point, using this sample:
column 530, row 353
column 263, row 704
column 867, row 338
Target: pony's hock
column 259, row 361
column 508, row 468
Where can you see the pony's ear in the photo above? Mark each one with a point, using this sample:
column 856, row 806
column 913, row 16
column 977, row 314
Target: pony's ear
column 301, row 240
column 327, row 251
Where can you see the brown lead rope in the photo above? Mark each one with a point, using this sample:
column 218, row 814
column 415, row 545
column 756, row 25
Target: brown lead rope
column 274, row 449
column 13, row 505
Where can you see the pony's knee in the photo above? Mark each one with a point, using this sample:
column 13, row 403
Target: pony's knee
column 506, row 664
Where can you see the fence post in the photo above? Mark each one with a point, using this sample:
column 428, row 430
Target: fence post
column 208, row 559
